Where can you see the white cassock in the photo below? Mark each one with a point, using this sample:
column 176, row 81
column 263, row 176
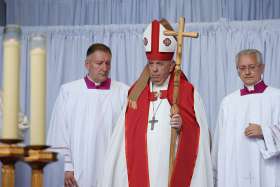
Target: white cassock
column 158, row 140
column 240, row 161
column 81, row 126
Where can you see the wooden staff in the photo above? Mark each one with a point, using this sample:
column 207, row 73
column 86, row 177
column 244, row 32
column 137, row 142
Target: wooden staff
column 175, row 109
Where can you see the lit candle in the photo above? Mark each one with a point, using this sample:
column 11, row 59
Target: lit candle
column 37, row 90
column 11, row 72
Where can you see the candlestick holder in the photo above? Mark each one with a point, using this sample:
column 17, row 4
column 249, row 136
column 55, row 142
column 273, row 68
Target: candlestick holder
column 37, row 157
column 10, row 153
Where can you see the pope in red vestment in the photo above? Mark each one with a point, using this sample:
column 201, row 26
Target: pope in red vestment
column 139, row 153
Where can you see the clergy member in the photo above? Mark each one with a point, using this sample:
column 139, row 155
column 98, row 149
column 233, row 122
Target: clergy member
column 246, row 149
column 83, row 119
column 138, row 156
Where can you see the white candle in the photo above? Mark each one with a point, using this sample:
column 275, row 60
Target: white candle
column 11, row 88
column 37, row 96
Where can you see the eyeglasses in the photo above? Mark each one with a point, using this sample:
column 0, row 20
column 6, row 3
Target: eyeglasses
column 251, row 68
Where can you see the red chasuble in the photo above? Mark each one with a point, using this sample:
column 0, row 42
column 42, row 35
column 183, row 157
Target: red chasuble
column 136, row 122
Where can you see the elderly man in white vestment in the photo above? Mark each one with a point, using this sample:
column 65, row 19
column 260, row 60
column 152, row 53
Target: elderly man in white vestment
column 84, row 117
column 246, row 150
column 139, row 153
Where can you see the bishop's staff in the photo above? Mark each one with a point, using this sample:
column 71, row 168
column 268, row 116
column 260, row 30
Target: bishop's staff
column 175, row 109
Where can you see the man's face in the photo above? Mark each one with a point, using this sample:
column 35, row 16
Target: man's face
column 98, row 65
column 249, row 69
column 159, row 71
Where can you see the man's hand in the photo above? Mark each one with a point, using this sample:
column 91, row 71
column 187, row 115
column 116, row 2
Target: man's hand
column 69, row 179
column 254, row 131
column 176, row 121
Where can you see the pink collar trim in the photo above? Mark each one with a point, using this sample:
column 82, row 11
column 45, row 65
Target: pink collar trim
column 258, row 88
column 103, row 86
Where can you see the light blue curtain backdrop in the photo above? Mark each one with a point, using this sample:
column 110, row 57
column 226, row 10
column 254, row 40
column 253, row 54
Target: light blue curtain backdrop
column 207, row 61
column 88, row 12
column 2, row 12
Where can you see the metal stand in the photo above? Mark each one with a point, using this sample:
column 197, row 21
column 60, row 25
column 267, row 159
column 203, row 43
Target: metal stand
column 38, row 157
column 10, row 153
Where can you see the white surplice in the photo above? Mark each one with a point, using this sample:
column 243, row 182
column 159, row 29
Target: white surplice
column 158, row 144
column 81, row 126
column 240, row 161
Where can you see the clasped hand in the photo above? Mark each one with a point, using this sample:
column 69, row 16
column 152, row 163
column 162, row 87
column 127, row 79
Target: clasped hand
column 253, row 131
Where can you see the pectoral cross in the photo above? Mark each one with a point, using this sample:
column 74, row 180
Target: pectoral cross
column 152, row 122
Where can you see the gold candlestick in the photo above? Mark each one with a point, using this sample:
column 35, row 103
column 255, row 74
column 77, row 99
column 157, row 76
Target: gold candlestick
column 38, row 157
column 10, row 153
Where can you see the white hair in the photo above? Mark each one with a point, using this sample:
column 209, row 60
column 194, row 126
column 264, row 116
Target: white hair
column 249, row 52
